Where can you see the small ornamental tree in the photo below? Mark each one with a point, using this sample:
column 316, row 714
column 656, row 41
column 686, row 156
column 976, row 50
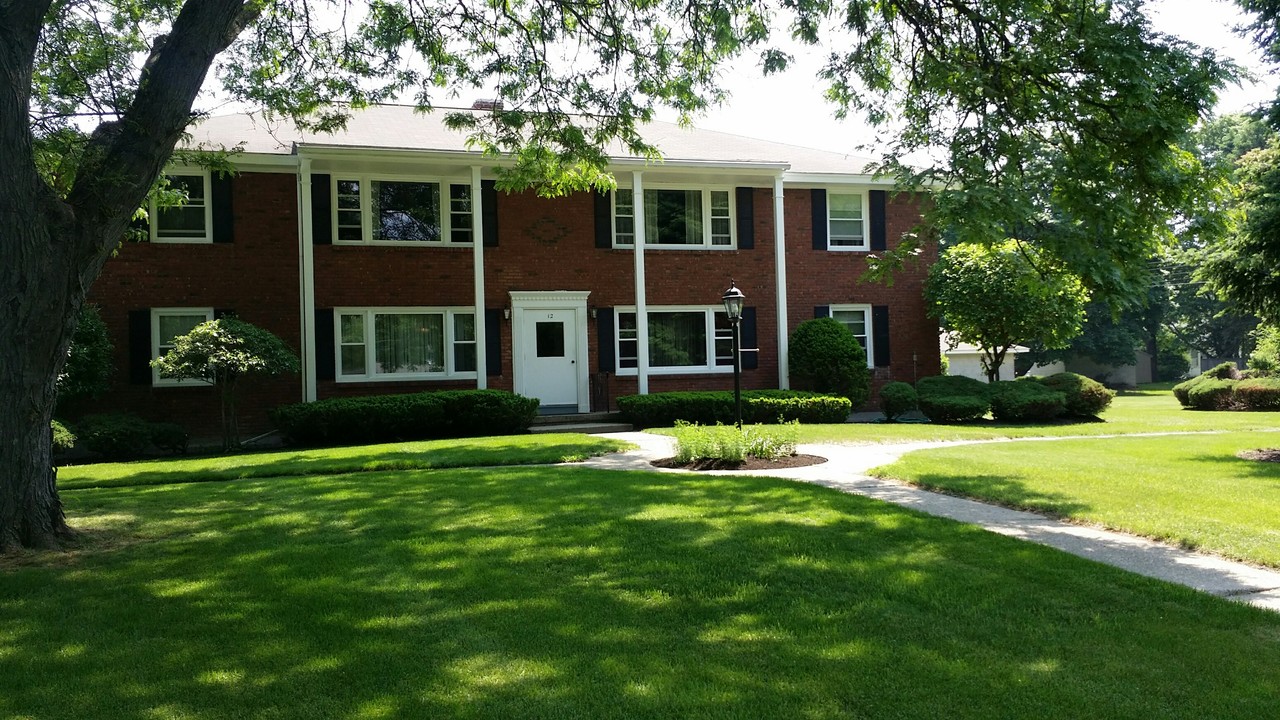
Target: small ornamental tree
column 825, row 357
column 222, row 351
column 998, row 296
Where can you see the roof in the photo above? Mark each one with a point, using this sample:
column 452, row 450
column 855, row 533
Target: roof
column 403, row 127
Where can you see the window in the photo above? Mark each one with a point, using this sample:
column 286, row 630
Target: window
column 189, row 222
column 405, row 343
column 845, row 228
column 167, row 324
column 681, row 340
column 676, row 218
column 858, row 319
column 401, row 212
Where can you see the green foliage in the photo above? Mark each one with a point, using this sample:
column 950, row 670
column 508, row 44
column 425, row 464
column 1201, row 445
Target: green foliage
column 1210, row 394
column 1172, row 360
column 1085, row 397
column 63, row 439
column 170, row 437
column 825, row 357
column 717, row 407
column 115, row 436
column 1244, row 266
column 937, row 385
column 1026, row 401
column 997, row 296
column 87, row 373
column 1258, row 394
column 1223, row 371
column 896, row 399
column 1265, row 358
column 953, row 398
column 726, row 442
column 416, row 416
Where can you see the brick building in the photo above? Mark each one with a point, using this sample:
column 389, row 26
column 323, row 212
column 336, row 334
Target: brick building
column 384, row 255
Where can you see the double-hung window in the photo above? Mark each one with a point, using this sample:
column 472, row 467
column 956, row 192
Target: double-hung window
column 373, row 210
column 167, row 324
column 189, row 221
column 857, row 318
column 846, row 228
column 405, row 343
column 676, row 217
column 681, row 340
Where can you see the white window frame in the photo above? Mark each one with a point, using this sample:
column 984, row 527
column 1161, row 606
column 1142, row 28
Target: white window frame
column 710, row 312
column 366, row 209
column 865, row 246
column 154, row 211
column 156, row 314
column 705, row 191
column 370, row 359
column 865, row 309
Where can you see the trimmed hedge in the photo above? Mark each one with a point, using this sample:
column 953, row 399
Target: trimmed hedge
column 414, row 416
column 1026, row 401
column 716, row 406
column 1258, row 394
column 1085, row 397
column 117, row 436
column 897, row 399
column 1211, row 394
column 953, row 398
column 938, row 385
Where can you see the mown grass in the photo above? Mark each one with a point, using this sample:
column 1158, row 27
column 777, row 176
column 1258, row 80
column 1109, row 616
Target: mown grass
column 424, row 455
column 1190, row 489
column 542, row 592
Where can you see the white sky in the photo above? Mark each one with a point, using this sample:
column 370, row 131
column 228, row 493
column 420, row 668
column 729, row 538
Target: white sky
column 789, row 107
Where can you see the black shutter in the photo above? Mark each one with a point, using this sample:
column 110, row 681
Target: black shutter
column 750, row 360
column 223, row 215
column 604, row 220
column 321, row 211
column 746, row 218
column 324, row 349
column 604, row 338
column 880, row 334
column 140, row 347
column 219, row 313
column 821, row 311
column 492, row 338
column 489, row 212
column 819, row 200
column 879, row 200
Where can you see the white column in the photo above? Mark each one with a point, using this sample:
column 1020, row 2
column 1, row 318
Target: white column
column 306, row 281
column 477, row 262
column 642, row 307
column 780, row 282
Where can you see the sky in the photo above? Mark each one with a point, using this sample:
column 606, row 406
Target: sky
column 789, row 108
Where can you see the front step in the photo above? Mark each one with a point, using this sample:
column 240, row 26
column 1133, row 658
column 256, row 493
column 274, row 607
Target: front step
column 597, row 422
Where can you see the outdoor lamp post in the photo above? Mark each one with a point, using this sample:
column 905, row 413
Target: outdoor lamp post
column 733, row 300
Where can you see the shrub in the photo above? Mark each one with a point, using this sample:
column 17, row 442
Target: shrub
column 1211, row 394
column 170, row 437
column 716, row 406
column 952, row 385
column 1084, row 397
column 1265, row 358
column 1026, row 401
column 1225, row 371
column 727, row 442
column 896, row 399
column 87, row 373
column 416, row 416
column 63, row 439
column 825, row 357
column 1258, row 394
column 953, row 398
column 117, row 436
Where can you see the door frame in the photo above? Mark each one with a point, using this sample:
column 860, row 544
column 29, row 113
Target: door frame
column 532, row 301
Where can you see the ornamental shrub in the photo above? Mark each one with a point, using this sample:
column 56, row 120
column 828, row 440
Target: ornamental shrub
column 826, row 358
column 716, row 406
column 952, row 385
column 896, row 399
column 415, row 416
column 87, row 373
column 1211, row 394
column 1085, row 398
column 170, row 437
column 1258, row 394
column 116, row 436
column 726, row 442
column 1026, row 401
column 63, row 439
column 1225, row 371
column 953, row 398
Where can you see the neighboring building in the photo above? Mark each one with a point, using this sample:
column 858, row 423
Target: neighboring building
column 966, row 360
column 386, row 257
column 1113, row 376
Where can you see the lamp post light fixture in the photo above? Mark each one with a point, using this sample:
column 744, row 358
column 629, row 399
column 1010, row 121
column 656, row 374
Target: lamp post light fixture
column 733, row 301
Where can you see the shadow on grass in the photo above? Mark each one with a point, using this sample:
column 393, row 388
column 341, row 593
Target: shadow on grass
column 1003, row 490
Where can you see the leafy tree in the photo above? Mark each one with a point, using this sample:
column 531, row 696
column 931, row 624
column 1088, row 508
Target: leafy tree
column 224, row 351
column 1010, row 89
column 87, row 373
column 995, row 297
column 1245, row 266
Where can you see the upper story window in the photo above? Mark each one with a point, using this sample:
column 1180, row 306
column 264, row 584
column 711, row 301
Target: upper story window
column 405, row 343
column 167, row 324
column 858, row 319
column 189, row 222
column 846, row 229
column 371, row 210
column 676, row 217
column 681, row 340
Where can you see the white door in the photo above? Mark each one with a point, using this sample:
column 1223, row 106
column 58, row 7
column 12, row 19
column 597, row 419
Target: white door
column 550, row 357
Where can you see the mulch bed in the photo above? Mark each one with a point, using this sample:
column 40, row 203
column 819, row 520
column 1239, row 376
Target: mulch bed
column 1261, row 454
column 751, row 463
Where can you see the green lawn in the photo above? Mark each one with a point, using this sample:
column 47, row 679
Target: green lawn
column 425, row 455
column 1188, row 489
column 539, row 592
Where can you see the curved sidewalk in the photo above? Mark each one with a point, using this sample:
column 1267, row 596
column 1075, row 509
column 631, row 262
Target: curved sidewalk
column 846, row 469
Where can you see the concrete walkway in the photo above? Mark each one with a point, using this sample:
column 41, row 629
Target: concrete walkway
column 846, row 469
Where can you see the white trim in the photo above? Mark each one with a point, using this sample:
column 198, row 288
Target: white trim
column 154, row 210
column 156, row 314
column 307, row 283
column 525, row 301
column 365, row 179
column 703, row 190
column 477, row 263
column 642, row 303
column 325, row 151
column 780, row 280
column 709, row 312
column 868, row 325
column 863, row 209
column 370, row 351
